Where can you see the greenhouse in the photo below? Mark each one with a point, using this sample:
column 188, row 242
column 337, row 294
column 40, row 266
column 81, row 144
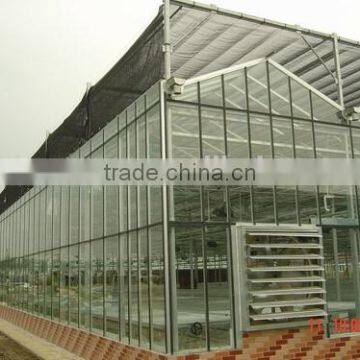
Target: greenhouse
column 179, row 269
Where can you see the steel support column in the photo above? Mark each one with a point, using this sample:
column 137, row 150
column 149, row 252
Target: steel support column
column 168, row 247
column 339, row 82
column 167, row 40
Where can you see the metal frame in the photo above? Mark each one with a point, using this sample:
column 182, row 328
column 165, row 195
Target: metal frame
column 256, row 62
column 168, row 260
column 167, row 39
column 339, row 82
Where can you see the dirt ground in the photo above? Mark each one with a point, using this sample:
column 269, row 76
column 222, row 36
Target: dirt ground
column 10, row 350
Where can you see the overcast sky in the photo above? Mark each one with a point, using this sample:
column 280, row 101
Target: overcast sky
column 50, row 50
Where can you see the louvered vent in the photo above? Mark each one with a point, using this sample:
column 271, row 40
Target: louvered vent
column 282, row 278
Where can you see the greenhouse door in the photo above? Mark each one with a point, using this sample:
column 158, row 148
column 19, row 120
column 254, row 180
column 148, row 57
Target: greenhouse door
column 341, row 261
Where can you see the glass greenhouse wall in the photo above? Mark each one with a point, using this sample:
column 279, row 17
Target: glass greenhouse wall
column 150, row 265
column 92, row 256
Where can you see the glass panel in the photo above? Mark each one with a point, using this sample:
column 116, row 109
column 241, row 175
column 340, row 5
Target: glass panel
column 85, row 150
column 111, row 148
column 235, row 95
column 123, row 144
column 141, row 138
column 36, row 209
column 111, row 210
column 153, row 133
column 64, row 285
column 134, row 289
column 284, row 148
column 152, row 95
column 55, row 292
column 307, row 202
column 132, row 141
column 130, row 113
column 31, row 280
column 212, row 126
column 85, row 193
column 110, row 129
column 42, row 235
column 215, row 203
column 187, row 203
column 74, row 214
column 124, row 288
column 184, row 131
column 143, row 206
column 74, row 285
column 97, row 212
column 64, row 231
column 283, row 138
column 56, row 216
column 190, row 288
column 144, row 289
column 155, row 204
column 97, row 286
column 286, row 204
column 323, row 111
column 112, row 287
column 211, row 92
column 237, row 135
column 31, row 229
column 280, row 95
column 334, row 142
column 218, row 286
column 84, row 296
column 356, row 142
column 307, row 195
column 140, row 105
column 260, row 136
column 341, row 280
column 123, row 208
column 264, row 204
column 96, row 144
column 122, row 120
column 300, row 100
column 240, row 203
column 133, row 206
column 97, row 198
column 157, row 289
column 48, row 283
column 21, row 290
column 257, row 86
column 49, row 226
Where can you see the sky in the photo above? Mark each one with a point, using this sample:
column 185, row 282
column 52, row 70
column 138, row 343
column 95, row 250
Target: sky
column 50, row 50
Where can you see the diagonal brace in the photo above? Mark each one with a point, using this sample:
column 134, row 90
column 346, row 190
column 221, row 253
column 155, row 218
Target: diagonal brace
column 318, row 56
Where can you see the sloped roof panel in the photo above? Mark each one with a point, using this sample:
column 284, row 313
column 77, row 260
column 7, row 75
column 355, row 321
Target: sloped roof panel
column 206, row 39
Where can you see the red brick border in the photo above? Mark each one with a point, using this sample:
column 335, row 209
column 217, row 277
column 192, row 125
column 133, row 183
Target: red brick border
column 293, row 344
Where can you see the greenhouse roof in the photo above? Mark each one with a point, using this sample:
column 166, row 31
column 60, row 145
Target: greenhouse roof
column 206, row 38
